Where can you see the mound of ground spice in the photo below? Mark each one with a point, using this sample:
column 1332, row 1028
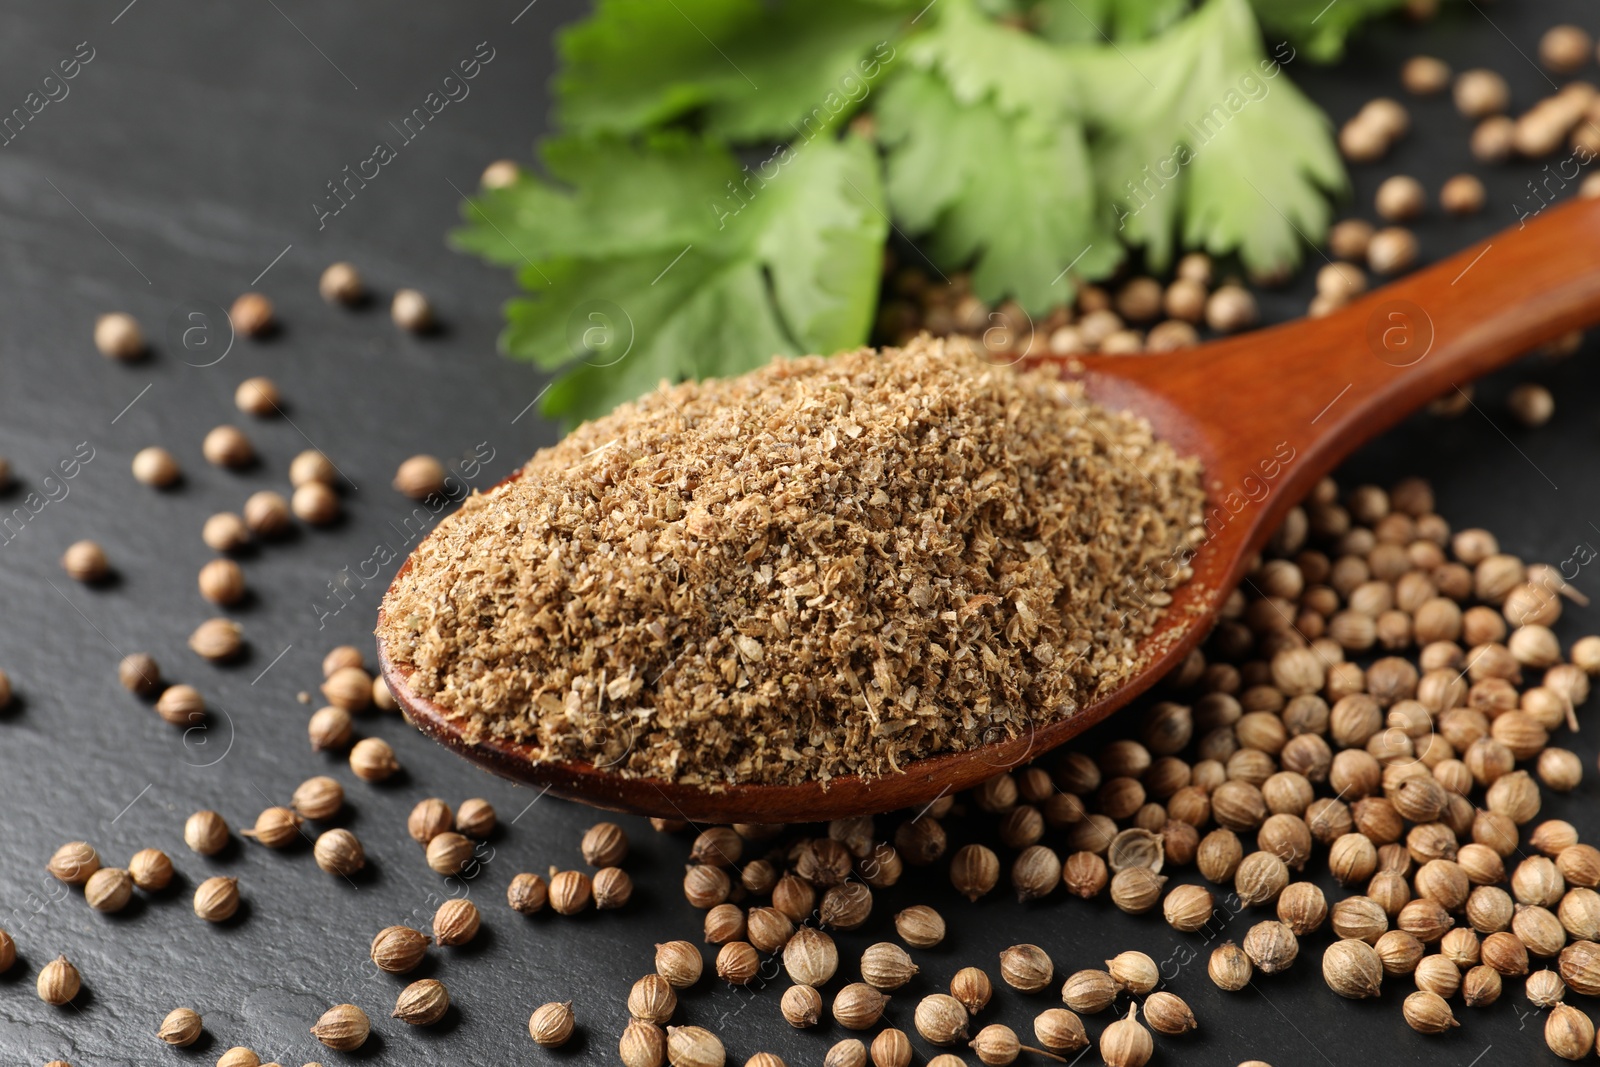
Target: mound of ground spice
column 823, row 567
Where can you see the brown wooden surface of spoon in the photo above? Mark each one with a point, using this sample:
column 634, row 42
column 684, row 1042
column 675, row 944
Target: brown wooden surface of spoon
column 1268, row 414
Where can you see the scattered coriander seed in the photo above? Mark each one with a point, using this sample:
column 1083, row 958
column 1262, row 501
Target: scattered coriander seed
column 341, row 284
column 449, row 853
column 996, row 1045
column 1481, row 986
column 1126, row 1043
column 475, row 818
column 846, row 906
column 340, row 657
column 886, row 966
column 971, row 986
column 343, row 1028
column 721, row 846
column 705, row 886
column 1392, row 250
column 1230, row 969
column 1544, row 989
column 422, row 1003
column 251, row 314
column 1400, row 198
column 1579, row 966
column 847, row 1053
column 1230, row 308
column 206, row 832
column 217, row 640
column 1425, row 75
column 794, row 897
column 765, row 1059
column 811, row 957
column 328, row 728
column 108, row 889
column 919, row 926
column 181, row 1028
column 1026, row 968
column 939, row 1018
column 225, row 532
column 1506, row 953
column 222, row 582
column 58, row 982
column 642, row 1045
column 1563, row 49
column 85, row 561
column 156, row 467
column 411, row 311
column 266, row 513
column 1531, row 405
column 1462, row 195
column 338, row 851
column 74, row 863
column 500, row 174
column 652, row 1000
column 570, row 892
column 139, row 674
column 694, row 1046
column 1134, row 971
column 974, row 870
column 217, row 899
column 399, row 949
column 801, row 1006
column 117, row 336
column 312, row 466
column 1428, row 1013
column 1168, row 1014
column 258, row 397
column 428, row 819
column 349, row 688
column 1137, row 890
column 527, row 893
column 1481, row 93
column 150, row 869
column 858, row 1006
column 420, row 477
column 769, row 929
column 227, row 446
column 604, row 844
column 891, row 1048
column 1089, row 991
column 1036, row 872
column 1271, row 946
column 319, row 798
column 315, row 503
column 612, row 888
column 373, row 760
column 239, row 1056
column 1352, row 969
column 1569, row 1033
column 680, row 963
column 456, row 922
column 382, row 696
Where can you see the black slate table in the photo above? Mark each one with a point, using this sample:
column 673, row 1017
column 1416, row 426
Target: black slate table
column 185, row 163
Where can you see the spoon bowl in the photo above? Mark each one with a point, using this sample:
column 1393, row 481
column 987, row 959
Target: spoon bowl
column 1268, row 414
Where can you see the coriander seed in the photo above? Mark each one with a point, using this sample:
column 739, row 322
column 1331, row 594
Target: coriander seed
column 724, row 923
column 652, row 1000
column 940, row 1019
column 139, row 675
column 1271, row 946
column 996, row 1045
column 1026, row 968
column 527, row 893
column 181, row 1028
column 612, row 888
column 705, row 886
column 1137, row 890
column 217, row 640
column 475, row 817
column 1126, row 1043
column 239, row 1056
column 449, row 853
column 58, row 982
column 217, row 899
column 886, row 966
column 275, row 827
column 769, row 929
column 1481, row 986
column 738, row 963
column 801, row 1006
column 694, row 1046
column 847, row 1053
column 315, row 503
column 349, row 688
column 422, row 1003
column 1229, row 967
column 1035, row 873
column 399, row 949
column 74, row 863
column 227, row 446
column 1134, row 971
column 919, row 926
column 428, row 819
column 319, row 798
column 150, row 869
column 117, row 336
column 1569, row 1033
column 680, row 963
column 338, row 851
column 456, row 922
column 108, row 889
column 312, row 466
column 259, row 397
column 328, row 728
column 251, row 314
column 372, row 760
column 225, row 532
column 1059, row 1030
column 411, row 311
column 343, row 1028
column 205, row 832
column 1428, row 1013
column 420, row 477
column 85, row 561
column 570, row 891
column 267, row 514
column 642, row 1045
column 1168, row 1014
column 341, row 284
column 974, row 870
column 605, row 844
column 858, row 1006
column 1352, row 969
column 156, row 467
column 811, row 957
column 891, row 1048
column 1089, row 991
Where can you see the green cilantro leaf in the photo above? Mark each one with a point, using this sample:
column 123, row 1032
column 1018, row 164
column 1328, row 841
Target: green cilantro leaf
column 745, row 69
column 1197, row 131
column 665, row 259
column 987, row 161
column 1095, row 21
column 1319, row 28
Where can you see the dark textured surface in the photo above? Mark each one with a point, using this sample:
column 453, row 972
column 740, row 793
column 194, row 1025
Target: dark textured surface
column 195, row 142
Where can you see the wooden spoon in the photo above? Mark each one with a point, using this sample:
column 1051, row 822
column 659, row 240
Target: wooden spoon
column 1268, row 414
